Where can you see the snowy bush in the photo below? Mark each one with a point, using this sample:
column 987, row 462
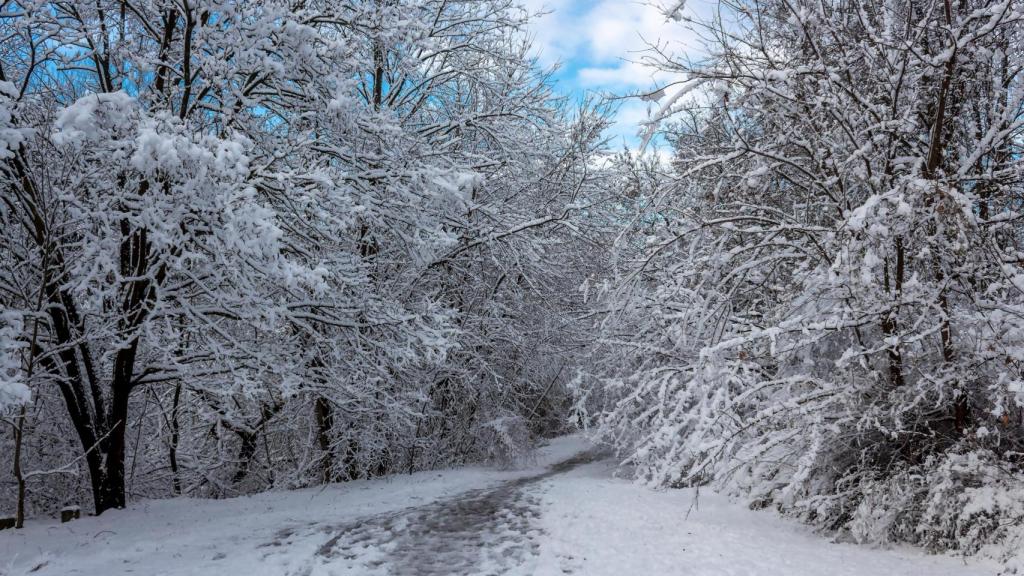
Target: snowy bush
column 970, row 501
column 506, row 439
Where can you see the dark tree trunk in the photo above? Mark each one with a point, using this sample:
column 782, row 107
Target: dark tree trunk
column 101, row 433
column 172, row 450
column 111, row 485
column 250, row 436
column 324, row 414
column 19, row 476
column 350, row 462
column 890, row 324
column 245, row 455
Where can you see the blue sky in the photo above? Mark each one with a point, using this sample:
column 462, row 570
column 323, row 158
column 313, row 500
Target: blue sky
column 599, row 44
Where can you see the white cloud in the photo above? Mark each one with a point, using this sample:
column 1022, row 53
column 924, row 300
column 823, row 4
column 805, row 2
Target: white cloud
column 623, row 28
column 552, row 41
column 631, row 115
column 601, row 43
column 604, row 31
column 622, row 76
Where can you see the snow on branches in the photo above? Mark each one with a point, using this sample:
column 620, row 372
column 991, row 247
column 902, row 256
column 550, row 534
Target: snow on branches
column 280, row 243
column 13, row 390
column 832, row 304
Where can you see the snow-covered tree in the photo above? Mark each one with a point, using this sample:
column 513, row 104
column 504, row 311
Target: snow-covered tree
column 827, row 310
column 274, row 241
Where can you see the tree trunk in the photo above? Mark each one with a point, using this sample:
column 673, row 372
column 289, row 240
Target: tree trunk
column 172, row 450
column 19, row 476
column 245, row 455
column 325, row 423
column 109, row 487
column 890, row 324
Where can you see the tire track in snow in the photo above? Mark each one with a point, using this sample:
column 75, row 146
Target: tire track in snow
column 488, row 531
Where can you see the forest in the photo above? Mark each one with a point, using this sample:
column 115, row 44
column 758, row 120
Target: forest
column 267, row 245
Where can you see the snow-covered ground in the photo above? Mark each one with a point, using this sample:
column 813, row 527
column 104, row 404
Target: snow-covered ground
column 601, row 526
column 573, row 518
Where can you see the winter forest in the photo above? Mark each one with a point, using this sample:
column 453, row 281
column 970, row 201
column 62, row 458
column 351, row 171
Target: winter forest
column 256, row 249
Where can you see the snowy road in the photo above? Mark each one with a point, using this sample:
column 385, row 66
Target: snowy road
column 567, row 515
column 486, row 531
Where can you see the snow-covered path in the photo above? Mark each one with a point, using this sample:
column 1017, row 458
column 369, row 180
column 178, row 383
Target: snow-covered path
column 485, row 531
column 567, row 515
